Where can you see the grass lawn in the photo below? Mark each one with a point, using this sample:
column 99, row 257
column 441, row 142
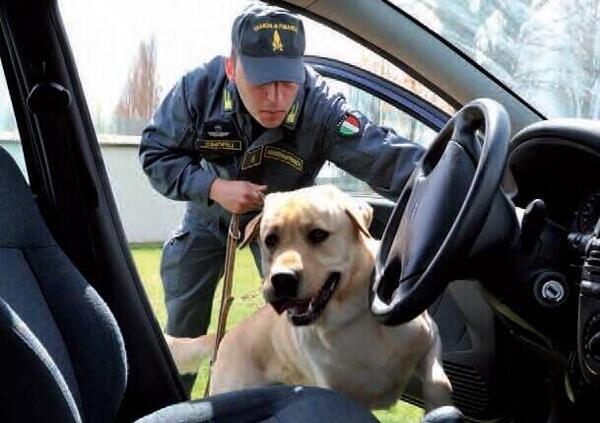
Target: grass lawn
column 247, row 298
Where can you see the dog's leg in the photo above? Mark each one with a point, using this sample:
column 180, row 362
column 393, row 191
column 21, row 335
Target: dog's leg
column 235, row 372
column 188, row 353
column 436, row 385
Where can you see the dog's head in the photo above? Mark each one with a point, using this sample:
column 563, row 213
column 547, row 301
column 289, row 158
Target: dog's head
column 313, row 247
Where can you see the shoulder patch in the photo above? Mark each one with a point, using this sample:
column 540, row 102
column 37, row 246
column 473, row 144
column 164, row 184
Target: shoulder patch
column 349, row 125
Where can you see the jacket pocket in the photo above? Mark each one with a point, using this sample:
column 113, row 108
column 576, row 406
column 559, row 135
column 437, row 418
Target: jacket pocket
column 170, row 266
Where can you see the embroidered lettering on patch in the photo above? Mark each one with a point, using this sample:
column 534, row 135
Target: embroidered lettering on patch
column 348, row 126
column 282, row 26
column 252, row 158
column 232, row 145
column 285, row 156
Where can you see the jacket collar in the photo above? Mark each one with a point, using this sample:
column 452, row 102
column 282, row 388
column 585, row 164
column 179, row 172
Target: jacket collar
column 231, row 104
column 230, row 100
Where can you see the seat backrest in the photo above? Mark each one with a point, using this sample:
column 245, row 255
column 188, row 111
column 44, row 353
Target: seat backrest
column 62, row 356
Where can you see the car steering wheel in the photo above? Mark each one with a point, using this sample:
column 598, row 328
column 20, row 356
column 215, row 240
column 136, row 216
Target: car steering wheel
column 440, row 212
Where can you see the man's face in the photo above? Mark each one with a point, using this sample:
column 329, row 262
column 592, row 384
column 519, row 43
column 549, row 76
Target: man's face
column 267, row 103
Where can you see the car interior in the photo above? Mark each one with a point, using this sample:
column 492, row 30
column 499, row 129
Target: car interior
column 503, row 214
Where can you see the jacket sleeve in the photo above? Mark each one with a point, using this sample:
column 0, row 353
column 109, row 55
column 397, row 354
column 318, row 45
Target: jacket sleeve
column 167, row 152
column 372, row 153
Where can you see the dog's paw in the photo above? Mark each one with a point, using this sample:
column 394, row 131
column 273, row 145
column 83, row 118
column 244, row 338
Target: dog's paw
column 445, row 414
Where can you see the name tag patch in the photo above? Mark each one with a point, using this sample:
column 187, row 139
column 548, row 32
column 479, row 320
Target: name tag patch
column 230, row 145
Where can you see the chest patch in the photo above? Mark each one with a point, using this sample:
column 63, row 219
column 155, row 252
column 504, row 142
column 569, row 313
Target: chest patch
column 229, row 145
column 284, row 156
column 219, row 137
column 252, row 158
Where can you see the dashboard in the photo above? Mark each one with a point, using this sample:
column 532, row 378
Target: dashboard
column 564, row 173
column 554, row 177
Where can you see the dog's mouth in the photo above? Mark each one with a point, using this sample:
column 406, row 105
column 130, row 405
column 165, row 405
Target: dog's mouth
column 304, row 312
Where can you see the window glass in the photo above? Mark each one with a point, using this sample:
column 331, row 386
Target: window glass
column 547, row 51
column 10, row 139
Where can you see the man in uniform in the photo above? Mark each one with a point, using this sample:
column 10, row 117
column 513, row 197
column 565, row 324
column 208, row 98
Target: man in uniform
column 237, row 128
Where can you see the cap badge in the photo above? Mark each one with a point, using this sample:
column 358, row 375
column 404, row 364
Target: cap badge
column 277, row 44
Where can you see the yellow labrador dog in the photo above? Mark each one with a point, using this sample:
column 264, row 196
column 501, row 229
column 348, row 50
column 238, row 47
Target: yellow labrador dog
column 317, row 328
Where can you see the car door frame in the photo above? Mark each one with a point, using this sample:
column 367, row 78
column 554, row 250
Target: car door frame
column 71, row 187
column 385, row 90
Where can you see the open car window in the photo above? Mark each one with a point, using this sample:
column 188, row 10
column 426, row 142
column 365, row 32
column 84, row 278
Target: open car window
column 127, row 63
column 127, row 71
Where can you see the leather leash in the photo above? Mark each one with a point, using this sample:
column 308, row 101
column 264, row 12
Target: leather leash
column 233, row 237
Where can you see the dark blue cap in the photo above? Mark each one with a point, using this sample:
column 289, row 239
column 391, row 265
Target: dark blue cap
column 270, row 43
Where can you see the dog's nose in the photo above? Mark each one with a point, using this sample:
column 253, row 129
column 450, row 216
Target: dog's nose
column 285, row 283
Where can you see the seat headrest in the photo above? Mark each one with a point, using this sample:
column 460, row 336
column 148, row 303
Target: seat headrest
column 21, row 224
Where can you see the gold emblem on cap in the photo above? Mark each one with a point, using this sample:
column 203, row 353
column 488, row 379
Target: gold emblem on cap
column 277, row 44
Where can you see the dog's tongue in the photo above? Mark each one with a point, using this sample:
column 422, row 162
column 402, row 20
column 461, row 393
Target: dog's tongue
column 283, row 305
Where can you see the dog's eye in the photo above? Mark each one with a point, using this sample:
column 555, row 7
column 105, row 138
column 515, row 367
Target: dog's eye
column 271, row 240
column 317, row 235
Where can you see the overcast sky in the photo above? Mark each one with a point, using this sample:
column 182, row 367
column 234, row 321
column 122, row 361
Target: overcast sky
column 105, row 35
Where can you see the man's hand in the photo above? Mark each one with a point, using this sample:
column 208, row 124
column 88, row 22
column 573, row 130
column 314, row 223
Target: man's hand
column 237, row 196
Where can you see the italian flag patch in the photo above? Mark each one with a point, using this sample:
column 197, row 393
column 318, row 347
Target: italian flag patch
column 348, row 126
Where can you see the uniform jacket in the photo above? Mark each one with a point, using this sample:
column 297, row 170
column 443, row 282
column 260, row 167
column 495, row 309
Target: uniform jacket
column 201, row 131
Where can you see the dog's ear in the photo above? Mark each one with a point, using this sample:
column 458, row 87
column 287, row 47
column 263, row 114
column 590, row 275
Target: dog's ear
column 361, row 214
column 251, row 231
